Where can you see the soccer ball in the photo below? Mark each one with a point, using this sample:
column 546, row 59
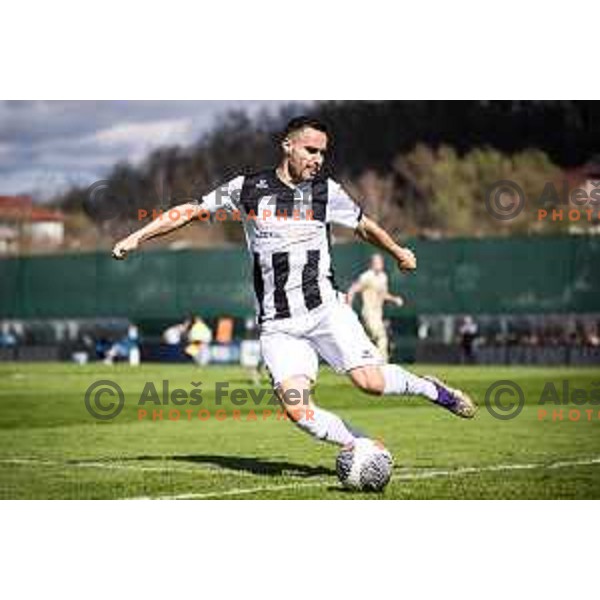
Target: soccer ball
column 365, row 466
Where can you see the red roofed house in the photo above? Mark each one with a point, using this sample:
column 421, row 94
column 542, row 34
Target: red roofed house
column 20, row 217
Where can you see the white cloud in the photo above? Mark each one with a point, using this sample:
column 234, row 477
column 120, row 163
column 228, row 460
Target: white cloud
column 47, row 145
column 141, row 138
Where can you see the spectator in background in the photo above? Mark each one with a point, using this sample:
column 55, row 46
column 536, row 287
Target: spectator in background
column 8, row 338
column 127, row 347
column 591, row 337
column 199, row 337
column 173, row 339
column 250, row 357
column 468, row 331
column 175, row 334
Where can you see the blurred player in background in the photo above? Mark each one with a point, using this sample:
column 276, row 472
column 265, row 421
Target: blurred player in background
column 373, row 287
column 286, row 212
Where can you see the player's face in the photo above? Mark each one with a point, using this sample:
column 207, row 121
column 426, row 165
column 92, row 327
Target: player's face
column 305, row 152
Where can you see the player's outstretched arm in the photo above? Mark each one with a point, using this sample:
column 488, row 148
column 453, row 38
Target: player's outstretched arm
column 371, row 232
column 160, row 226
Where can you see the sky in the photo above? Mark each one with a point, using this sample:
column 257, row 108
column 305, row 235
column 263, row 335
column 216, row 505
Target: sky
column 47, row 146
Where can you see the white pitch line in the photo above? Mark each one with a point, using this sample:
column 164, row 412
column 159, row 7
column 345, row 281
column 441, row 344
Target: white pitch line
column 235, row 491
column 405, row 477
column 491, row 468
column 120, row 466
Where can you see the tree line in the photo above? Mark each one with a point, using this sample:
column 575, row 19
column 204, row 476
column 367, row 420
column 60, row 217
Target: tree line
column 421, row 166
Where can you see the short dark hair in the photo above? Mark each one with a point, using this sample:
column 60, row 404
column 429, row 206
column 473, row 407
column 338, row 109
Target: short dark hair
column 298, row 123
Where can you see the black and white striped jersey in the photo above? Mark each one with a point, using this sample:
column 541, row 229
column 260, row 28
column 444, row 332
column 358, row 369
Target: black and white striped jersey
column 287, row 233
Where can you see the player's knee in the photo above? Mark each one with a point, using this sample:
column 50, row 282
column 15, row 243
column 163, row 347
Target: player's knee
column 294, row 394
column 368, row 379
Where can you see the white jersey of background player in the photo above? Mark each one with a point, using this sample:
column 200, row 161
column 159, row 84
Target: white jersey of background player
column 300, row 314
column 373, row 287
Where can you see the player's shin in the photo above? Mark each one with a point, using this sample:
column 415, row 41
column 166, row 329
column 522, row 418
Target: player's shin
column 326, row 426
column 296, row 398
column 399, row 381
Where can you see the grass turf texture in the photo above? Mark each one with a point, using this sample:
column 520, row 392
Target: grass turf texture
column 50, row 446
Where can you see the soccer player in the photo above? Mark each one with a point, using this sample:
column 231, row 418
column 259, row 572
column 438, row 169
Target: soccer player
column 373, row 287
column 286, row 212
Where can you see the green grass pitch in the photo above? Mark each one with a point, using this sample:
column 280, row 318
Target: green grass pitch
column 50, row 446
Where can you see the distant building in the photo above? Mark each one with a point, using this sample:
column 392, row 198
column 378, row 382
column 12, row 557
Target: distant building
column 21, row 219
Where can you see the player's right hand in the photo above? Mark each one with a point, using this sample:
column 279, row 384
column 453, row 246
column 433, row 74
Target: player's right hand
column 399, row 301
column 124, row 247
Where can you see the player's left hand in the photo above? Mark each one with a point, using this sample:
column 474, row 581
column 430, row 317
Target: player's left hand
column 406, row 259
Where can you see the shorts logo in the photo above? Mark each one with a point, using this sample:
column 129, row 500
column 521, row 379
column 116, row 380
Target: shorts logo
column 366, row 354
column 262, row 184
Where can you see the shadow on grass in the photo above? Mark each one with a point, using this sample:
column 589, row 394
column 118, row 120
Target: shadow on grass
column 338, row 489
column 248, row 464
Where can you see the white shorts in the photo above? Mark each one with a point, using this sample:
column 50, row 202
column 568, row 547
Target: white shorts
column 292, row 347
